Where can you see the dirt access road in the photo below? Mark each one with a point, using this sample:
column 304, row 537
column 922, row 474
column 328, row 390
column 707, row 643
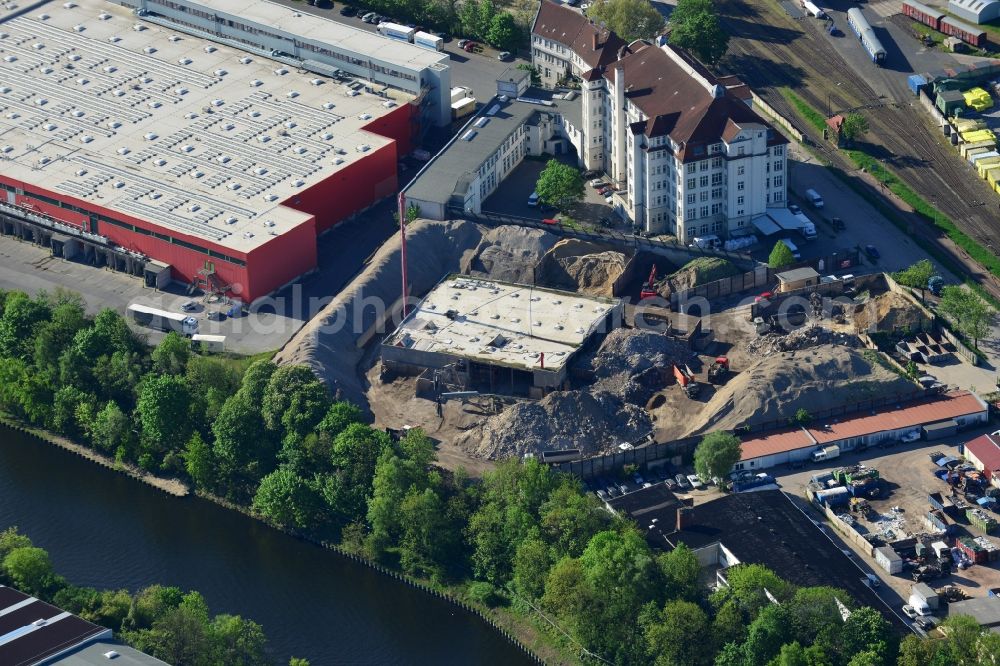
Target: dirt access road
column 770, row 50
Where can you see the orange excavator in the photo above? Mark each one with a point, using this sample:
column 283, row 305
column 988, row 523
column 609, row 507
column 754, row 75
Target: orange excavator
column 649, row 287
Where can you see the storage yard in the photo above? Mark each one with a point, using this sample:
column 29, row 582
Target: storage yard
column 899, row 513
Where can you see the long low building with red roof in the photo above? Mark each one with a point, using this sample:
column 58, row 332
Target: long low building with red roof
column 984, row 453
column 959, row 409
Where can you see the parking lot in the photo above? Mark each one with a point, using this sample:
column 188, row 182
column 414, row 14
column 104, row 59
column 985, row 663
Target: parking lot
column 907, row 477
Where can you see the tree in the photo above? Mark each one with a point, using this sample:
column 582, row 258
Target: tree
column 674, row 634
column 568, row 519
column 566, row 595
column 29, row 569
column 695, row 26
column 853, row 128
column 20, row 317
column 340, row 415
column 65, row 407
column 423, row 545
column 536, row 77
column 287, row 499
column 716, row 454
column 531, row 567
column 559, row 185
column 171, row 356
column 802, row 416
column 286, row 381
column 111, row 430
column 766, row 634
column 681, row 571
column 199, row 462
column 10, row 539
column 916, row 276
column 163, row 409
column 237, row 641
column 503, row 32
column 629, row 19
column 781, row 256
column 970, row 313
column 747, row 585
column 866, row 629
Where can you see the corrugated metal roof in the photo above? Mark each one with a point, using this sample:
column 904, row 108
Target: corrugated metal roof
column 776, row 442
column 986, row 450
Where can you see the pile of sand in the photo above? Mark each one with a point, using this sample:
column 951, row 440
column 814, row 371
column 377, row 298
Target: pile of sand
column 578, row 265
column 890, row 312
column 509, row 253
column 694, row 273
column 814, row 379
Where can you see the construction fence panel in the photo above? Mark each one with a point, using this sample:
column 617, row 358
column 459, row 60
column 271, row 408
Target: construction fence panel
column 641, row 456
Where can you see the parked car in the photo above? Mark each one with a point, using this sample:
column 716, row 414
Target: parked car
column 695, row 481
column 794, row 209
column 188, row 306
column 638, row 479
column 612, row 491
column 682, row 482
column 604, row 190
column 550, row 220
column 463, row 42
column 671, row 484
column 872, row 251
column 763, row 296
column 608, row 199
column 596, row 182
column 601, row 494
column 591, row 173
column 369, row 17
column 217, row 316
column 469, row 47
column 622, row 487
column 909, row 611
column 924, row 623
column 504, row 56
column 347, row 10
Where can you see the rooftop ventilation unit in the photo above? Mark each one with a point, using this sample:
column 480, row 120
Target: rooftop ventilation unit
column 217, row 102
column 10, row 58
column 256, row 83
column 174, row 38
column 185, row 61
column 160, row 162
column 38, row 46
column 260, row 171
column 146, row 79
column 289, row 124
column 338, row 160
column 150, row 50
column 269, row 223
column 123, row 151
column 197, row 173
column 114, row 39
column 43, row 17
column 254, row 114
column 155, row 195
column 7, row 149
column 327, row 136
column 263, row 138
column 247, row 235
column 78, row 114
column 221, row 72
column 316, row 82
column 281, row 71
column 329, row 105
column 292, row 94
column 181, row 91
column 388, row 104
column 231, row 220
column 5, row 89
column 194, row 208
column 210, row 49
column 150, row 136
column 222, row 159
column 41, row 101
column 79, row 172
column 352, row 93
column 300, row 150
column 493, row 110
column 187, row 148
column 75, row 57
column 481, row 122
column 246, row 61
column 469, row 136
column 154, row 104
column 69, row 5
column 79, row 28
column 363, row 148
column 298, row 182
column 104, row 16
column 44, row 160
column 117, row 92
column 138, row 27
column 118, row 184
column 13, row 115
column 190, row 115
column 228, row 126
column 270, row 197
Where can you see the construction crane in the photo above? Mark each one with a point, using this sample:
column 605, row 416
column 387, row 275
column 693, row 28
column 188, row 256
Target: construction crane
column 649, row 287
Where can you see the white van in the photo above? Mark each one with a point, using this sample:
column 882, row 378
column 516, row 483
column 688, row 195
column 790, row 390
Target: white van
column 814, row 198
column 710, row 242
column 791, row 246
column 533, row 199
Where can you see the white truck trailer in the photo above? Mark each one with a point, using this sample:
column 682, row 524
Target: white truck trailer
column 428, row 41
column 826, row 453
column 396, row 31
column 161, row 320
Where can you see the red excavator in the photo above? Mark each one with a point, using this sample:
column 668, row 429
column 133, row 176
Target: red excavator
column 649, row 287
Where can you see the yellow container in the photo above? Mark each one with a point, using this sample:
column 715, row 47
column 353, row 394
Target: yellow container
column 985, row 164
column 978, row 135
column 993, row 175
column 963, row 125
column 967, row 148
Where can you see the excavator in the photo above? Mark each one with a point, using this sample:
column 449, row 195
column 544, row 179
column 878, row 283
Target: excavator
column 649, row 287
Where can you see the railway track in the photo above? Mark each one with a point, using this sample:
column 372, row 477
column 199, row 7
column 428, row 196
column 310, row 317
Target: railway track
column 769, row 49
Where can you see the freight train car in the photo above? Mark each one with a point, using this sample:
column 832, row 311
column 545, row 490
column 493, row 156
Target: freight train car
column 969, row 34
column 923, row 14
column 859, row 24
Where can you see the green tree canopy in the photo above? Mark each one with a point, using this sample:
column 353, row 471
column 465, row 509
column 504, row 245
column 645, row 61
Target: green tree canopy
column 559, row 185
column 716, row 454
column 854, row 127
column 970, row 313
column 676, row 634
column 503, row 32
column 163, row 409
column 29, row 569
column 170, row 357
column 629, row 19
column 916, row 276
column 695, row 27
column 781, row 256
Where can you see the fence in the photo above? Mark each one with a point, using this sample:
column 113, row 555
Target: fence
column 640, row 456
column 961, row 348
column 777, row 117
column 849, row 532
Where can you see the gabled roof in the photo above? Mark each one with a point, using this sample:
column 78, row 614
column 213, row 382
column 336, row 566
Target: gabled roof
column 986, row 450
column 597, row 46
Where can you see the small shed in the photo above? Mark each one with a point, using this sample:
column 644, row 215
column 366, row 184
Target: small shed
column 212, row 343
column 924, row 591
column 954, row 44
column 889, row 559
column 798, row 278
column 940, row 429
column 950, row 102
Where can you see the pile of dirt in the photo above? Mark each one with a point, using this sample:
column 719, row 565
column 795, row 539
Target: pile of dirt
column 801, row 338
column 694, row 273
column 593, row 422
column 815, row 379
column 509, row 253
column 629, row 367
column 890, row 312
column 578, row 265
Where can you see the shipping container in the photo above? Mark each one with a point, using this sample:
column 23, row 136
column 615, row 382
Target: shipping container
column 428, row 41
column 162, row 320
column 987, row 163
column 916, row 83
column 396, row 31
column 967, row 148
column 981, row 519
column 976, row 552
column 463, row 107
column 833, row 497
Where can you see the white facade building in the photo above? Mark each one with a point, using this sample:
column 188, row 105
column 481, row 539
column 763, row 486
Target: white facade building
column 313, row 43
column 687, row 153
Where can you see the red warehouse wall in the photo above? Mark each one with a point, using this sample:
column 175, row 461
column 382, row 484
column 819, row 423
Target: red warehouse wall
column 351, row 189
column 401, row 125
column 281, row 260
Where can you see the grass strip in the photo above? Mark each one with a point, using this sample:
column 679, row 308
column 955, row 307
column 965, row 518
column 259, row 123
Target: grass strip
column 809, row 114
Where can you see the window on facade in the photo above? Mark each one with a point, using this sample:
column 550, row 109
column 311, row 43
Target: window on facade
column 703, row 181
column 717, row 162
column 716, row 179
column 739, row 201
column 691, row 183
column 716, row 208
column 704, row 211
column 778, row 196
column 739, row 186
column 779, row 150
column 703, row 165
column 740, row 170
column 690, row 167
column 717, row 193
column 717, row 226
column 690, row 214
column 691, row 198
column 778, row 165
column 703, row 197
column 779, row 181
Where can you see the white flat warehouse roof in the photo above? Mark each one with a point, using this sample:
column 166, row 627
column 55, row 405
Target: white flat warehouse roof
column 319, row 29
column 194, row 136
column 501, row 323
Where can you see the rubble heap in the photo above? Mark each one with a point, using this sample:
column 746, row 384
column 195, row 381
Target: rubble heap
column 802, row 338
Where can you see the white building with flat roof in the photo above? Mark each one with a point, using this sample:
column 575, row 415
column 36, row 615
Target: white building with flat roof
column 498, row 336
column 313, row 43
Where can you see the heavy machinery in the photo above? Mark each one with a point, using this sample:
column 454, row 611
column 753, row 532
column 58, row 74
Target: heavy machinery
column 649, row 287
column 687, row 382
column 718, row 370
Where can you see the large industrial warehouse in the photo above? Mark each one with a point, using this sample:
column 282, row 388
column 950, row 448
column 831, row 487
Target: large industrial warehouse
column 499, row 337
column 160, row 153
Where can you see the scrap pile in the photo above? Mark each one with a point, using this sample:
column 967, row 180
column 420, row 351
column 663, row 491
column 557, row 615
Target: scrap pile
column 891, row 526
column 802, row 338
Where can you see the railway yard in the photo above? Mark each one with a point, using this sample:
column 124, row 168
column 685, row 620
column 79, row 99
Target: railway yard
column 771, row 50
